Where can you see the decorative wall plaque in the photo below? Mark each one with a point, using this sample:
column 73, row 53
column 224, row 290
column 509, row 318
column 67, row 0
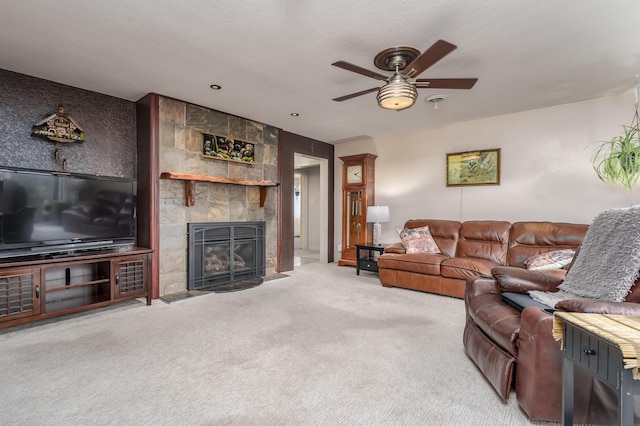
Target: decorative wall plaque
column 225, row 147
column 59, row 127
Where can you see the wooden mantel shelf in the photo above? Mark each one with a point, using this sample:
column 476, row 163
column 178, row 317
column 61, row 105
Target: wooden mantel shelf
column 190, row 180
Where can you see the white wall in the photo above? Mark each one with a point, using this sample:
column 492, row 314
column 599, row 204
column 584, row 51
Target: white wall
column 546, row 169
column 314, row 226
column 296, row 205
column 313, row 212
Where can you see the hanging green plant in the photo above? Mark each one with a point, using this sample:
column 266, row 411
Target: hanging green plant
column 618, row 160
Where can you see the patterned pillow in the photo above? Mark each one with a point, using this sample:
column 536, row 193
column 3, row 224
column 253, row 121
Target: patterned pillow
column 550, row 260
column 418, row 240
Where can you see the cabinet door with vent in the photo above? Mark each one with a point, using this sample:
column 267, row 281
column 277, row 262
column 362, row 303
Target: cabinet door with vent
column 130, row 275
column 19, row 293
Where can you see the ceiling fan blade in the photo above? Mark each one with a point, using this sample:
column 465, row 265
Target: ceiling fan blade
column 446, row 83
column 354, row 68
column 439, row 50
column 353, row 95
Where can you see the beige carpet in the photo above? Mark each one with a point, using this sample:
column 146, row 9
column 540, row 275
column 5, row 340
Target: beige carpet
column 319, row 347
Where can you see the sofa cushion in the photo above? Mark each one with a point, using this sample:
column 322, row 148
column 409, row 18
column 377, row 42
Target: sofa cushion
column 530, row 238
column 444, row 232
column 484, row 239
column 463, row 268
column 395, row 248
column 422, row 263
column 418, row 240
column 550, row 260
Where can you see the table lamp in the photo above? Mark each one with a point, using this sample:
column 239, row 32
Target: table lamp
column 377, row 214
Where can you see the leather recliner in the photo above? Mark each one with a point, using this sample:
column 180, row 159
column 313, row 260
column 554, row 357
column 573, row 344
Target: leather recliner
column 515, row 348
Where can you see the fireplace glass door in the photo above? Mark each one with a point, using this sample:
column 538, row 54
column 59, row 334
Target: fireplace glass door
column 223, row 253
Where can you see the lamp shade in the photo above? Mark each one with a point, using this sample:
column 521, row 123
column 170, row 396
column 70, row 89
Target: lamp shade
column 378, row 214
column 398, row 94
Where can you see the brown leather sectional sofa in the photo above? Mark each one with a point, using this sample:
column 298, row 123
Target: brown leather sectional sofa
column 471, row 249
column 512, row 348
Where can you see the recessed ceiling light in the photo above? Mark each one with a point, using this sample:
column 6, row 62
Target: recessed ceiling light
column 295, row 114
column 216, row 87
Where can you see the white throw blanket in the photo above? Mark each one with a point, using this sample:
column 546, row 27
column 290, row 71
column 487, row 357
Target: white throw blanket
column 608, row 262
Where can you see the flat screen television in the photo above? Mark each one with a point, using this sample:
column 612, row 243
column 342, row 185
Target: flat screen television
column 48, row 212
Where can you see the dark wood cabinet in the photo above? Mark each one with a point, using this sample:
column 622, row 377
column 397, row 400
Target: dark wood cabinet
column 32, row 289
column 19, row 293
column 130, row 277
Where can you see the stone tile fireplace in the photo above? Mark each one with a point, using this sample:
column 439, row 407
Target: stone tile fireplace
column 222, row 253
column 181, row 130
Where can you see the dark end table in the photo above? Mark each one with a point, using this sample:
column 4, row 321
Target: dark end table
column 593, row 341
column 367, row 257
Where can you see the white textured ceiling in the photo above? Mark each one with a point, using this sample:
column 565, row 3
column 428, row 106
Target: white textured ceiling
column 273, row 57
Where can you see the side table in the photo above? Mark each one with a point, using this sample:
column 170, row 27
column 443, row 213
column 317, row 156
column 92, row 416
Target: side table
column 605, row 346
column 366, row 258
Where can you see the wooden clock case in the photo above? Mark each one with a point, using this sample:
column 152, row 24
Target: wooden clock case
column 358, row 192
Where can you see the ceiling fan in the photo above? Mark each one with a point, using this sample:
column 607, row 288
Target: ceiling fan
column 400, row 92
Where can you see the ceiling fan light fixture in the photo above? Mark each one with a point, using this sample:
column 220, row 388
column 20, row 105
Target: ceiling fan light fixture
column 400, row 91
column 397, row 95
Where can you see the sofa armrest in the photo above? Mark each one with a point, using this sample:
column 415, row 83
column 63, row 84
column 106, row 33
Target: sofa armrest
column 395, row 248
column 519, row 280
column 538, row 322
column 590, row 306
column 539, row 370
column 481, row 285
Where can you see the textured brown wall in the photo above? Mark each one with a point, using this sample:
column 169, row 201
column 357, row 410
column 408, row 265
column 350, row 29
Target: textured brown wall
column 148, row 232
column 289, row 145
column 109, row 124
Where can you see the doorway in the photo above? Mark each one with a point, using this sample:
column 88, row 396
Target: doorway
column 310, row 207
column 289, row 145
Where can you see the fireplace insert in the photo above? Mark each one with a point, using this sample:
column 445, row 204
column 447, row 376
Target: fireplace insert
column 225, row 252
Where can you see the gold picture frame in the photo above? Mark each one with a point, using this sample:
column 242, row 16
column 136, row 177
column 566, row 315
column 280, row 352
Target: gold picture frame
column 481, row 167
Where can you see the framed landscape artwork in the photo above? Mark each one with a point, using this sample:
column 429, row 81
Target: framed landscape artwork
column 474, row 168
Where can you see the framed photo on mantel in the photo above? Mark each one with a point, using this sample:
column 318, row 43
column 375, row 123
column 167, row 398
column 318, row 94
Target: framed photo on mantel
column 480, row 167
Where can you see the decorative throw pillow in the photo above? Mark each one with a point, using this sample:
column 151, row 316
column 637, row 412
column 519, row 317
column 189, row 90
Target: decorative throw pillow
column 550, row 260
column 88, row 208
column 418, row 240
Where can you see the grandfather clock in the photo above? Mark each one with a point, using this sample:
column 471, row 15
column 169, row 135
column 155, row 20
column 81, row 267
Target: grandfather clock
column 358, row 185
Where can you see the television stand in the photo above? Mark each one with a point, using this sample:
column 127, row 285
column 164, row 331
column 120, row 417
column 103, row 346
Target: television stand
column 36, row 288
